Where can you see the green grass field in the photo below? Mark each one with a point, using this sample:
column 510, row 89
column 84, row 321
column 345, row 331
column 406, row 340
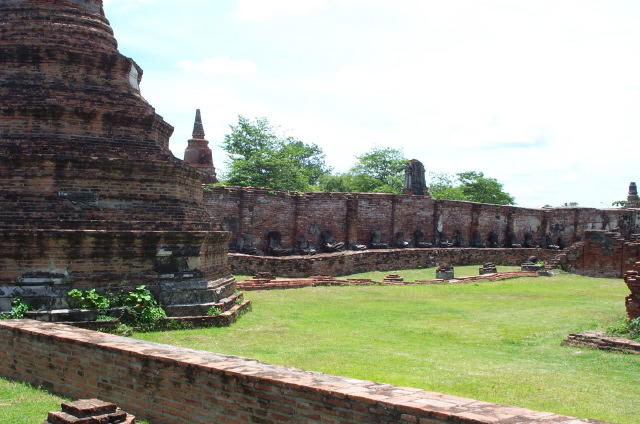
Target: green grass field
column 497, row 342
column 23, row 404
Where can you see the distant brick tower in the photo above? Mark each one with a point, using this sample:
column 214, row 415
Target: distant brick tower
column 633, row 201
column 198, row 154
column 91, row 195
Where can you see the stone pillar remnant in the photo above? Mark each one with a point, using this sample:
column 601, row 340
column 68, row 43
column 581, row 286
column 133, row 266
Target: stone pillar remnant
column 414, row 179
column 632, row 302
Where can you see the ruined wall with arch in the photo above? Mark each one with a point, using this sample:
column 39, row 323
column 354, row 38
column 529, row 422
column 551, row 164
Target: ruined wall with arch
column 353, row 217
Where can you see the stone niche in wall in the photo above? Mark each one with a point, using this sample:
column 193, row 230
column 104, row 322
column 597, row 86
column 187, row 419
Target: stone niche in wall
column 92, row 197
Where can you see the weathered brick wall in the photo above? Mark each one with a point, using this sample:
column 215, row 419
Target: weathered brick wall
column 42, row 266
column 605, row 254
column 345, row 263
column 172, row 385
column 80, row 149
column 85, row 193
column 353, row 216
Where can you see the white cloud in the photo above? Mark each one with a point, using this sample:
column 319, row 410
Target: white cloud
column 127, row 4
column 531, row 93
column 219, row 66
column 256, row 10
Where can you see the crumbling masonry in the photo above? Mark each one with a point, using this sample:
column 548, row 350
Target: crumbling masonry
column 91, row 194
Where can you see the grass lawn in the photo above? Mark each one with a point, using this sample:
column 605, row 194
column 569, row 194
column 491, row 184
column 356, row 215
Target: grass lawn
column 23, row 404
column 496, row 341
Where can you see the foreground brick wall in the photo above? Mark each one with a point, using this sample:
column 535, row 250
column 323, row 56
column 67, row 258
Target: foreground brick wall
column 379, row 260
column 353, row 216
column 605, row 254
column 171, row 385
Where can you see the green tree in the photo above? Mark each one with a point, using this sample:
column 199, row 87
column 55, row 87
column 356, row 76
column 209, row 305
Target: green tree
column 478, row 188
column 380, row 170
column 336, row 182
column 260, row 157
column 471, row 186
column 444, row 186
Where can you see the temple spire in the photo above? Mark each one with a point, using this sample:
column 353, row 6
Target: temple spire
column 198, row 154
column 633, row 201
column 198, row 129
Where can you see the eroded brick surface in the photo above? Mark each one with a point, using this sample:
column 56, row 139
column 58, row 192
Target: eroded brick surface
column 90, row 411
column 353, row 217
column 168, row 384
column 91, row 194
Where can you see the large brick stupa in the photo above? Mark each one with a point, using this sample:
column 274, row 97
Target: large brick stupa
column 91, row 196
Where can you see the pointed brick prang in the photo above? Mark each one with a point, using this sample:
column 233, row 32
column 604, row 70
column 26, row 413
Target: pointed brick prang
column 198, row 129
column 198, row 154
column 633, row 201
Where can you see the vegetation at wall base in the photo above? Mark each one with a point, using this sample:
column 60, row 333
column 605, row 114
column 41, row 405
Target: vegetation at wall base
column 18, row 308
column 629, row 329
column 495, row 341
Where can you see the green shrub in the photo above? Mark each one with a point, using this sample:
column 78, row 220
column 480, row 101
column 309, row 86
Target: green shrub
column 151, row 315
column 18, row 308
column 141, row 296
column 89, row 299
column 214, row 311
column 625, row 328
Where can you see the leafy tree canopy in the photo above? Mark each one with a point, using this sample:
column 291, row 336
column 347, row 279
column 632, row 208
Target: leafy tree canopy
column 478, row 188
column 471, row 186
column 260, row 157
column 380, row 170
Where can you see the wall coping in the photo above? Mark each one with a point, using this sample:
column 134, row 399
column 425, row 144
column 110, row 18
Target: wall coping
column 413, row 405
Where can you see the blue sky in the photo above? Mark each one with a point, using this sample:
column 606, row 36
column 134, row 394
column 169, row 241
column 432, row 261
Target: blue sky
column 543, row 95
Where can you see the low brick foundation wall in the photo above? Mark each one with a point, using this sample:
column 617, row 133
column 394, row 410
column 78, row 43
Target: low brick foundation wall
column 172, row 385
column 345, row 263
column 598, row 340
column 283, row 284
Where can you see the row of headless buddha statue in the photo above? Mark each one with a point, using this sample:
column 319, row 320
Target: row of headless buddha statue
column 327, row 244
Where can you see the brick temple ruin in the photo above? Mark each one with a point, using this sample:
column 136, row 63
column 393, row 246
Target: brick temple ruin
column 92, row 197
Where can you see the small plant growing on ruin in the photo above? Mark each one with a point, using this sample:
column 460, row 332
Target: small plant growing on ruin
column 96, row 300
column 89, row 299
column 142, row 308
column 122, row 330
column 214, row 311
column 18, row 308
column 141, row 296
column 151, row 315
